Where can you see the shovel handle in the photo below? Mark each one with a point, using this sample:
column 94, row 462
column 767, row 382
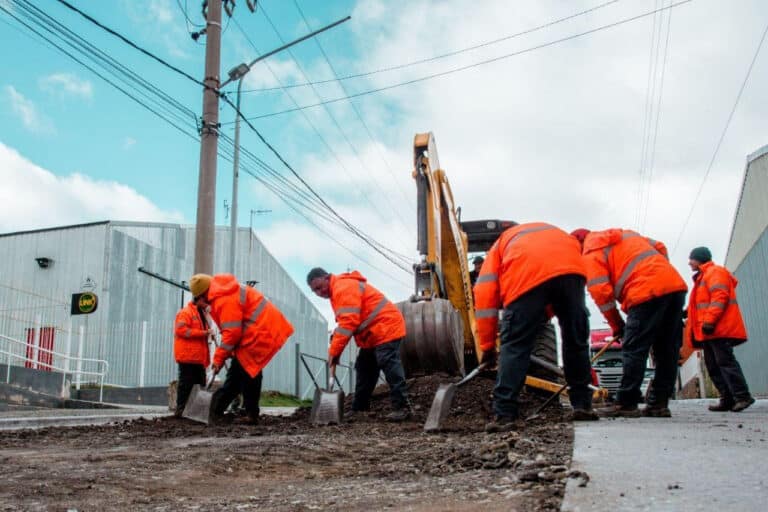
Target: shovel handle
column 471, row 375
column 331, row 377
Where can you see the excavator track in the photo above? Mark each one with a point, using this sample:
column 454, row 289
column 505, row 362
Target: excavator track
column 435, row 338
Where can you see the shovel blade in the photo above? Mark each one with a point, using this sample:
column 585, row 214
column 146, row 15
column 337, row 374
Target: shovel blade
column 441, row 404
column 327, row 407
column 198, row 406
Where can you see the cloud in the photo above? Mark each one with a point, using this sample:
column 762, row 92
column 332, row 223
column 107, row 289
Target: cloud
column 25, row 109
column 67, row 84
column 33, row 197
column 128, row 143
column 160, row 21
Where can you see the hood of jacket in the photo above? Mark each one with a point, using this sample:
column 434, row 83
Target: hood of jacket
column 597, row 240
column 222, row 284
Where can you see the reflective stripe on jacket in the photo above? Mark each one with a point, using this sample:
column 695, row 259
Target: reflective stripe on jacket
column 713, row 301
column 252, row 329
column 522, row 258
column 627, row 267
column 190, row 343
column 362, row 311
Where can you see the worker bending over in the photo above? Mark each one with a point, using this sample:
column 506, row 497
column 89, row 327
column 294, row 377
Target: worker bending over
column 252, row 331
column 716, row 325
column 190, row 349
column 378, row 327
column 531, row 271
column 634, row 270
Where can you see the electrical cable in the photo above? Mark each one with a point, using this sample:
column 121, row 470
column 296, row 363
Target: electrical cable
column 475, row 64
column 720, row 141
column 448, row 54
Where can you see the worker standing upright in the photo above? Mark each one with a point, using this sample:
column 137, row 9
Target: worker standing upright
column 634, row 270
column 533, row 270
column 252, row 331
column 715, row 325
column 378, row 327
column 190, row 349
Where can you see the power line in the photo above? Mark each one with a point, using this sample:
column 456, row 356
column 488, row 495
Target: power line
column 445, row 55
column 355, row 109
column 342, row 132
column 476, row 64
column 720, row 141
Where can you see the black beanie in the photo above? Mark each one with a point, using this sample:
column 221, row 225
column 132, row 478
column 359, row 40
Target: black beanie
column 701, row 254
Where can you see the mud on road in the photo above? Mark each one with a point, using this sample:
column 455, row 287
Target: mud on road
column 286, row 464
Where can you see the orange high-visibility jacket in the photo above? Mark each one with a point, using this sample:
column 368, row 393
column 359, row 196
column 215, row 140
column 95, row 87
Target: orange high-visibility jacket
column 252, row 328
column 713, row 301
column 627, row 267
column 190, row 343
column 522, row 258
column 362, row 311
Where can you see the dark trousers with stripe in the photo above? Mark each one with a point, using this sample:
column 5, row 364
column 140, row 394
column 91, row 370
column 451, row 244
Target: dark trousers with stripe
column 189, row 375
column 520, row 324
column 724, row 370
column 654, row 324
column 238, row 381
column 370, row 361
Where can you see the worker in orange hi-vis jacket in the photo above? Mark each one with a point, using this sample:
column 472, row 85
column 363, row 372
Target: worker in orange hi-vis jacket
column 378, row 327
column 634, row 270
column 532, row 271
column 190, row 349
column 252, row 331
column 716, row 326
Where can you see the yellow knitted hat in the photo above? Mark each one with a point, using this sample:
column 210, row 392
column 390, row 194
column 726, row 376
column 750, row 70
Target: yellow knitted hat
column 199, row 284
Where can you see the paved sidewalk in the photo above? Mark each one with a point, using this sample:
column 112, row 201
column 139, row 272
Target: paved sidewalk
column 697, row 460
column 39, row 418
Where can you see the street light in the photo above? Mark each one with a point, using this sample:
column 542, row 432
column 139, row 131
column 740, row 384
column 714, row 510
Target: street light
column 238, row 73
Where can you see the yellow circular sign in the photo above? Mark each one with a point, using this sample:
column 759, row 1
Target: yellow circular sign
column 87, row 302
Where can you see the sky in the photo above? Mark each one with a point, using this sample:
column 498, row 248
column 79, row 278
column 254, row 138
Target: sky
column 615, row 128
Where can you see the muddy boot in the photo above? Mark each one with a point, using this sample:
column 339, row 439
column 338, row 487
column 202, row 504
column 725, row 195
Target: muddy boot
column 580, row 414
column 619, row 411
column 399, row 415
column 722, row 406
column 740, row 405
column 658, row 409
column 502, row 424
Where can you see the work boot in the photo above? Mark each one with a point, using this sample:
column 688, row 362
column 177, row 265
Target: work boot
column 722, row 406
column 580, row 414
column 658, row 409
column 740, row 405
column 502, row 424
column 619, row 411
column 398, row 415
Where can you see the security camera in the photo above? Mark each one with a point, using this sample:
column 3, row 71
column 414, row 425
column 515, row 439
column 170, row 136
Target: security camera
column 44, row 262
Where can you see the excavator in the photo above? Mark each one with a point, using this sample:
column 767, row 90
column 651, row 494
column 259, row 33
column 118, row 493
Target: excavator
column 440, row 315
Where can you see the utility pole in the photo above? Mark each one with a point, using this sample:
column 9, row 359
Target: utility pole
column 209, row 141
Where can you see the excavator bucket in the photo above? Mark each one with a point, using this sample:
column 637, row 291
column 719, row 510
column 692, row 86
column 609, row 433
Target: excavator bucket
column 434, row 340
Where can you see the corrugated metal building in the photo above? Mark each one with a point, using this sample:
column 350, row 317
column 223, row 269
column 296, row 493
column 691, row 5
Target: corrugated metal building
column 136, row 310
column 747, row 258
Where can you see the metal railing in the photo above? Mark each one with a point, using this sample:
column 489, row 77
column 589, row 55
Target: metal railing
column 101, row 365
column 347, row 375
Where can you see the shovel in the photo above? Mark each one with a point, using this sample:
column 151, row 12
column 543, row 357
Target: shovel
column 537, row 412
column 198, row 406
column 441, row 404
column 327, row 405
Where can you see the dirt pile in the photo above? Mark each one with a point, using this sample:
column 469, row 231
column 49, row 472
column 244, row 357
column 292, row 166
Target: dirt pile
column 289, row 464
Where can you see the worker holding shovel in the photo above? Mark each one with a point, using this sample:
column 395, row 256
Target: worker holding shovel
column 634, row 270
column 252, row 331
column 190, row 349
column 378, row 326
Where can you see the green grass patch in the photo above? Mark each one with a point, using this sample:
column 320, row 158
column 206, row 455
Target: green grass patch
column 277, row 399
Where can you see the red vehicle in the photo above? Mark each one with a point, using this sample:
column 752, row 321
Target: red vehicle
column 609, row 367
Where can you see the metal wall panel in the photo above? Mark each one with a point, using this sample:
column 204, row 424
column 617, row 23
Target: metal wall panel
column 752, row 211
column 752, row 293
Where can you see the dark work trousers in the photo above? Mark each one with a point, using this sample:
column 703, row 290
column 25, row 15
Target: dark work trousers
column 238, row 381
column 657, row 324
column 386, row 358
column 520, row 324
column 724, row 370
column 189, row 375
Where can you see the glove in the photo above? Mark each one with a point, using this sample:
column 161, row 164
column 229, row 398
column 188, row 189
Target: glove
column 489, row 358
column 215, row 368
column 708, row 328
